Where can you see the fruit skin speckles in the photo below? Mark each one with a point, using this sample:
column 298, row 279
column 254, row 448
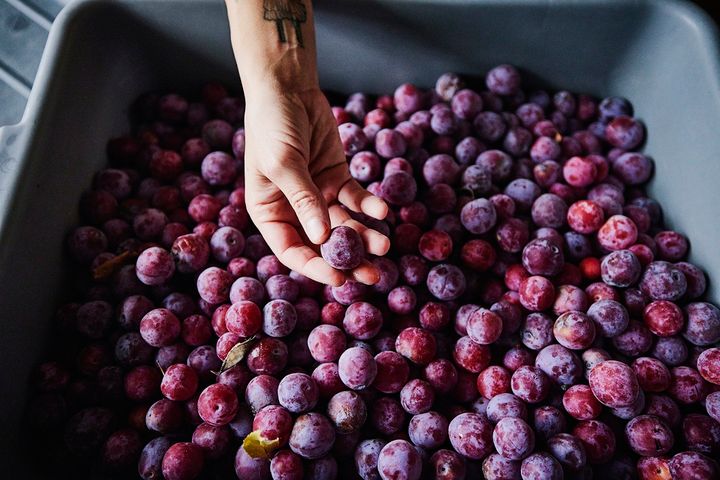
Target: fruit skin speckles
column 344, row 248
column 513, row 438
column 312, row 436
column 446, row 282
column 614, row 384
column 357, row 368
column 503, row 80
column 647, row 435
column 617, row 233
column 541, row 466
column 470, row 435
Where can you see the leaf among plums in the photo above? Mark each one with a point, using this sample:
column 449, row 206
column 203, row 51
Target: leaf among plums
column 259, row 447
column 109, row 267
column 237, row 354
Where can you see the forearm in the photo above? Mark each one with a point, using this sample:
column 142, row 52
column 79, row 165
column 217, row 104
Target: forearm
column 274, row 44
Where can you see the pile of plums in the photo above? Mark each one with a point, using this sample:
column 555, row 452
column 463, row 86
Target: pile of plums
column 533, row 320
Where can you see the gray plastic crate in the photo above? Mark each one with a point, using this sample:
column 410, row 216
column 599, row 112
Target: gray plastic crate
column 102, row 53
column 24, row 26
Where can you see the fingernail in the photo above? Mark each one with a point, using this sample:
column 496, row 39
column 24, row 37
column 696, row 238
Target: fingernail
column 316, row 230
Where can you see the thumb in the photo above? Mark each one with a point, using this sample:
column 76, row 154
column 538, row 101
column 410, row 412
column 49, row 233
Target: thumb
column 306, row 200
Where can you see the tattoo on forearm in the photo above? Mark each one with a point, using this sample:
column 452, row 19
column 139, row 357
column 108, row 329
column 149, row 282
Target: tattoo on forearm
column 291, row 10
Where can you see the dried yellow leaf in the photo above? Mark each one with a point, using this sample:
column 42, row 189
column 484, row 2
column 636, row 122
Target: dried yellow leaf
column 260, row 447
column 107, row 268
column 237, row 353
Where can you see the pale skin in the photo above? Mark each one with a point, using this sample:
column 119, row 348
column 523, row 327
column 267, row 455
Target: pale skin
column 296, row 175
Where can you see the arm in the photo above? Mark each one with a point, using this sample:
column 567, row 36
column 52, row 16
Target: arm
column 296, row 175
column 274, row 44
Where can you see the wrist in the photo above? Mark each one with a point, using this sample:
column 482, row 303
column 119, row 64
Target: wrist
column 290, row 71
column 274, row 44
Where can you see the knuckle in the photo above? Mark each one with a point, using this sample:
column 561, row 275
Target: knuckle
column 303, row 201
column 273, row 168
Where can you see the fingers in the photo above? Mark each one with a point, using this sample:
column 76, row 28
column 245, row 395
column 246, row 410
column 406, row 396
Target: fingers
column 285, row 241
column 375, row 242
column 306, row 200
column 357, row 199
column 288, row 245
column 366, row 273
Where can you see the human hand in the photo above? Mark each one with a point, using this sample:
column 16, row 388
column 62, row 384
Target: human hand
column 297, row 183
